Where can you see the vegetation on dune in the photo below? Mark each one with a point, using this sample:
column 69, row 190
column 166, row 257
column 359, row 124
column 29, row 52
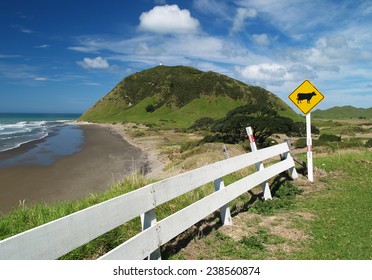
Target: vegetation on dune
column 177, row 96
column 343, row 112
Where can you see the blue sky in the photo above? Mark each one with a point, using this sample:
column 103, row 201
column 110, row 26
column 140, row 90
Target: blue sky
column 62, row 56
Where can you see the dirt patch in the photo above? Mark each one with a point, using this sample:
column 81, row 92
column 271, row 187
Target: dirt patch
column 250, row 225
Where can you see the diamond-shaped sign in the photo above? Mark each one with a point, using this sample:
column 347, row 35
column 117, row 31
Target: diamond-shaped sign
column 306, row 97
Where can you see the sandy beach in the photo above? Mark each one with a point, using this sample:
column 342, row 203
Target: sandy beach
column 105, row 158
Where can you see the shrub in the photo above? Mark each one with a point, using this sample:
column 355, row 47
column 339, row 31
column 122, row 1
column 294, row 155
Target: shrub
column 329, row 138
column 369, row 143
column 300, row 143
column 202, row 124
column 150, row 108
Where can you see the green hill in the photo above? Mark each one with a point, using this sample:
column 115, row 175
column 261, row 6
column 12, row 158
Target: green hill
column 343, row 112
column 177, row 96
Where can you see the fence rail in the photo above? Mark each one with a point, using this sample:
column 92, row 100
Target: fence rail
column 56, row 238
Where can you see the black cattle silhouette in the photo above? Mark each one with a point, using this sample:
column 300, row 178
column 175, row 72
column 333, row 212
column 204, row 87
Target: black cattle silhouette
column 303, row 96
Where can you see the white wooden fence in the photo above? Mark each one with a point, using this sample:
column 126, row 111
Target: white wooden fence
column 56, row 238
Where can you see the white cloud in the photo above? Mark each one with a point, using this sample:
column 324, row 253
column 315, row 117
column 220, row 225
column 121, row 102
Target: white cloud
column 214, row 7
column 9, row 56
column 22, row 29
column 264, row 72
column 303, row 20
column 329, row 53
column 40, row 79
column 168, row 19
column 42, row 47
column 241, row 15
column 94, row 63
column 261, row 39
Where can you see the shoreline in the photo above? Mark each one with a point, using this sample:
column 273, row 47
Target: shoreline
column 154, row 162
column 106, row 157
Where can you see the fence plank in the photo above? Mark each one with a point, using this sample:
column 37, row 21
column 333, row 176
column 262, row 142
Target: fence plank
column 56, row 238
column 173, row 187
column 178, row 222
column 136, row 248
column 185, row 218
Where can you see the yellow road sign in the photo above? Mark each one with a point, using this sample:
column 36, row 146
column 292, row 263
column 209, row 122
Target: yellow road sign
column 306, row 97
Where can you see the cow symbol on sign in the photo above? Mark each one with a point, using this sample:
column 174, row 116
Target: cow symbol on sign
column 303, row 96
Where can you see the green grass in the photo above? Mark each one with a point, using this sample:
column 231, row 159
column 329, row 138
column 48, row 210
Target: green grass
column 342, row 127
column 343, row 227
column 27, row 217
column 166, row 117
column 340, row 226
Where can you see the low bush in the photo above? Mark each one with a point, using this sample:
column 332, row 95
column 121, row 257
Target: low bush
column 369, row 143
column 300, row 143
column 330, row 138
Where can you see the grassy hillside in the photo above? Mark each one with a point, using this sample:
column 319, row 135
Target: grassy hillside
column 343, row 112
column 177, row 96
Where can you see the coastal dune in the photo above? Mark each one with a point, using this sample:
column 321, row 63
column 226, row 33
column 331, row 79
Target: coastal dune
column 105, row 158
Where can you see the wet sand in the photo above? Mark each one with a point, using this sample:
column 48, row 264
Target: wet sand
column 105, row 157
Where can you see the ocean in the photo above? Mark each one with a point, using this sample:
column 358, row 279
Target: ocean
column 50, row 131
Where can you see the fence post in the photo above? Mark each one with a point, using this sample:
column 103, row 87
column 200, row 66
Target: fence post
column 259, row 165
column 148, row 219
column 225, row 152
column 224, row 210
column 292, row 171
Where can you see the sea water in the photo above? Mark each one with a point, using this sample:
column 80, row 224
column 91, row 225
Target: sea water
column 56, row 135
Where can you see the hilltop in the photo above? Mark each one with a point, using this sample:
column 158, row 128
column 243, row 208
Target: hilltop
column 177, row 96
column 343, row 112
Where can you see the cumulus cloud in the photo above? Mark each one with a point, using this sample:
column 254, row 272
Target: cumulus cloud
column 265, row 73
column 168, row 19
column 261, row 39
column 94, row 63
column 241, row 15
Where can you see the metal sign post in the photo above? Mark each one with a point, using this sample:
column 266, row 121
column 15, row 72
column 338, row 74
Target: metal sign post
column 306, row 97
column 310, row 172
